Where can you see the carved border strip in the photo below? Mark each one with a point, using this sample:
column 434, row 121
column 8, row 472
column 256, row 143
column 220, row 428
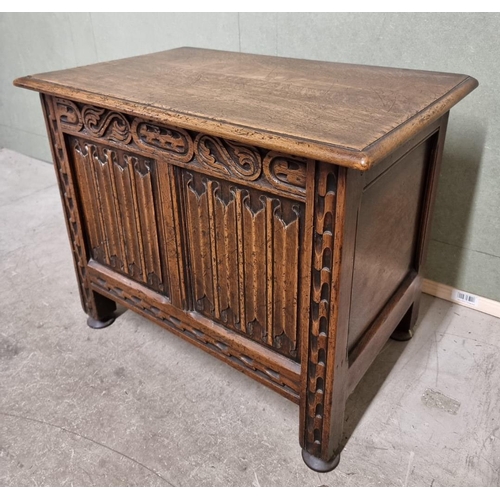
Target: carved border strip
column 244, row 362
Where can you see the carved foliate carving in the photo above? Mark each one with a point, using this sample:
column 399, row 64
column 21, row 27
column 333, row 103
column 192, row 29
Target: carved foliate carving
column 156, row 138
column 234, row 158
column 111, row 125
column 321, row 285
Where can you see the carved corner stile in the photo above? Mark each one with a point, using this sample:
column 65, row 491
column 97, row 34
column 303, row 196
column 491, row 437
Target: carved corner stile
column 314, row 366
column 95, row 307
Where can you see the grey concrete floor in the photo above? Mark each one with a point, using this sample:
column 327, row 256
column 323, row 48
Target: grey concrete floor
column 133, row 405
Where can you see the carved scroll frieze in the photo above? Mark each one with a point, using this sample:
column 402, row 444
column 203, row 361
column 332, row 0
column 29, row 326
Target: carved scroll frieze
column 108, row 124
column 173, row 141
column 234, row 158
column 321, row 285
column 286, row 172
column 268, row 171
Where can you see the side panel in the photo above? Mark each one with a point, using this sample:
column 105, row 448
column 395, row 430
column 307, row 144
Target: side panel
column 400, row 311
column 387, row 232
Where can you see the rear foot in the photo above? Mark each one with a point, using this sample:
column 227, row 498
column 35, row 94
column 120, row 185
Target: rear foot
column 402, row 335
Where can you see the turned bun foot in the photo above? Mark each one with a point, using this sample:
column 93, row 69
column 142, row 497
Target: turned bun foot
column 402, row 335
column 99, row 323
column 319, row 465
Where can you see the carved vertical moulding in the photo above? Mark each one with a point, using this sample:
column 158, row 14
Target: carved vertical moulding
column 320, row 311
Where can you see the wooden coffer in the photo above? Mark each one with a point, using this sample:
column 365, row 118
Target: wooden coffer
column 273, row 212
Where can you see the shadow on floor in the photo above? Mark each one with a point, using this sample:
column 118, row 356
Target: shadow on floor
column 359, row 401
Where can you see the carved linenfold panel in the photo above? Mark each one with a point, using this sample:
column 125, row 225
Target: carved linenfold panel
column 254, row 260
column 244, row 253
column 286, row 172
column 321, row 285
column 171, row 141
column 215, row 153
column 285, row 276
column 90, row 198
column 244, row 362
column 169, row 226
column 111, row 125
column 116, row 193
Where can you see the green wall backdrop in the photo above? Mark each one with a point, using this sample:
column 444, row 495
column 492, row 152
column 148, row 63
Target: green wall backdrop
column 465, row 246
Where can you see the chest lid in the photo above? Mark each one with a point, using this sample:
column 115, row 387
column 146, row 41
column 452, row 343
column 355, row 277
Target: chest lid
column 348, row 114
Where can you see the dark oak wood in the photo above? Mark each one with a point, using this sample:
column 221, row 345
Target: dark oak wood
column 273, row 212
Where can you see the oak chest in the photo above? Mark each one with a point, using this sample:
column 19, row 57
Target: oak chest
column 274, row 212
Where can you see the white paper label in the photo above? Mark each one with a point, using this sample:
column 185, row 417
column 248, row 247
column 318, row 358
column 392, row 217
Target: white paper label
column 466, row 298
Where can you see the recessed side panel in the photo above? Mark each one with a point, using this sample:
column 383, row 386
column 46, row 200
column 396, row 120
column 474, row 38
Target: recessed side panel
column 245, row 254
column 386, row 239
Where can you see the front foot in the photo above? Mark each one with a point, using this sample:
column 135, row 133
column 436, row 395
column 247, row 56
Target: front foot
column 402, row 335
column 319, row 465
column 99, row 323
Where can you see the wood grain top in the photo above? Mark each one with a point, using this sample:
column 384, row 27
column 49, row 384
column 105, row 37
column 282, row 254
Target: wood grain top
column 347, row 114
